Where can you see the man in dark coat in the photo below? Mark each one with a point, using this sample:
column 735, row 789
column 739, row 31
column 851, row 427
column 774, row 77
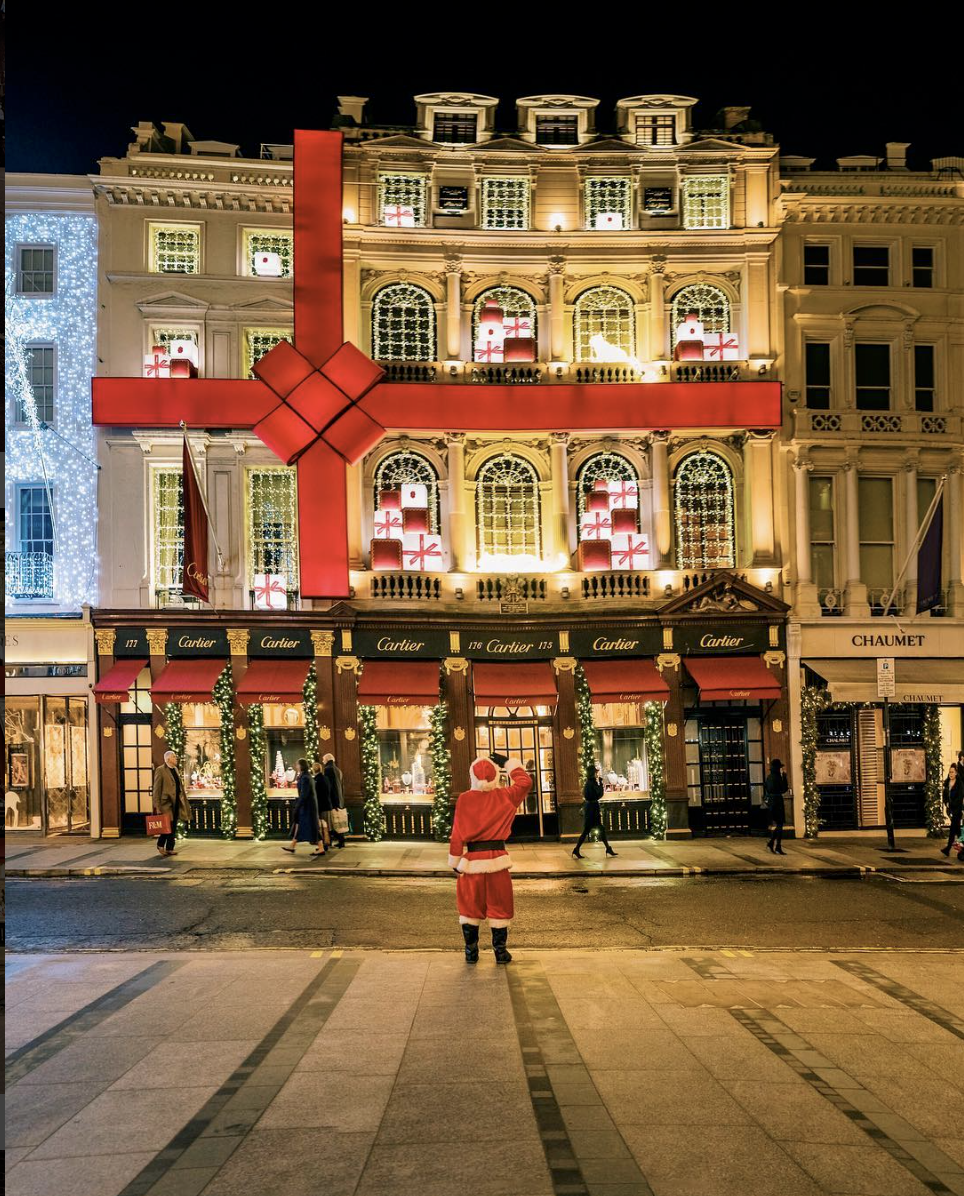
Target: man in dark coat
column 591, row 813
column 168, row 797
column 954, row 801
column 336, row 792
column 774, row 787
column 323, row 794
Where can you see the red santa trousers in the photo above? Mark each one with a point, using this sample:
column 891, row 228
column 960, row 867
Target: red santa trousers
column 480, row 895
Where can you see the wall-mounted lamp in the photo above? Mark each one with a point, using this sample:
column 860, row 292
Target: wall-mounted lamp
column 564, row 592
column 459, row 595
column 667, row 591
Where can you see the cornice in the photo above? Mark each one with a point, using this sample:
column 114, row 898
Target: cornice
column 194, row 195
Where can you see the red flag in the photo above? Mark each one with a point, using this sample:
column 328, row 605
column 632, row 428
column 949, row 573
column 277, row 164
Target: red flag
column 195, row 578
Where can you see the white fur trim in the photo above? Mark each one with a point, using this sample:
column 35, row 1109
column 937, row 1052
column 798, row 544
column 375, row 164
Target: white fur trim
column 469, row 921
column 454, row 861
column 498, row 923
column 471, row 867
column 513, row 765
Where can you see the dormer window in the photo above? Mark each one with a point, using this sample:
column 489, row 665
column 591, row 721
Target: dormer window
column 656, row 130
column 558, row 129
column 456, row 128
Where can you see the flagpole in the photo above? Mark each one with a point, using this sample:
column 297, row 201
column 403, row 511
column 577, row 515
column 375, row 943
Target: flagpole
column 204, row 504
column 918, row 540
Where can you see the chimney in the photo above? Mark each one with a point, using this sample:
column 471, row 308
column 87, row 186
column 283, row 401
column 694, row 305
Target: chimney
column 353, row 107
column 897, row 155
column 734, row 116
column 179, row 134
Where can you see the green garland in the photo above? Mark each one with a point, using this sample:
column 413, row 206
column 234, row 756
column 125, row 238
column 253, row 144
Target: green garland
column 812, row 702
column 587, row 729
column 653, row 736
column 176, row 740
column 441, row 773
column 224, row 697
column 372, row 815
column 934, row 776
column 310, row 697
column 259, row 790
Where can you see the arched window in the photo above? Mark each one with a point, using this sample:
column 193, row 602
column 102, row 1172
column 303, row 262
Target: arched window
column 507, row 505
column 404, row 468
column 607, row 467
column 710, row 304
column 515, row 303
column 703, row 506
column 604, row 325
column 403, row 323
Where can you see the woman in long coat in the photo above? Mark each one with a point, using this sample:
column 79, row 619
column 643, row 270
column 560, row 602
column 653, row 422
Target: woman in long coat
column 592, row 815
column 774, row 787
column 305, row 823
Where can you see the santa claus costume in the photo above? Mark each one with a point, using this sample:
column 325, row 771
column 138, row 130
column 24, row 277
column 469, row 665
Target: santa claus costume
column 482, row 823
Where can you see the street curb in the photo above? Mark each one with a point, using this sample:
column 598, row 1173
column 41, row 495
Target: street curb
column 120, row 870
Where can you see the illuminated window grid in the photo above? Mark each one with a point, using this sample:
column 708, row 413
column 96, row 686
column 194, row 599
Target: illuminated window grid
column 175, row 248
column 710, row 303
column 655, row 130
column 258, row 341
column 35, row 269
column 513, row 301
column 267, row 241
column 168, row 528
column 403, row 324
column 272, row 524
column 507, row 500
column 404, row 191
column 607, row 311
column 41, row 362
column 505, row 203
column 608, row 195
column 407, row 468
column 609, row 467
column 706, row 201
column 703, row 507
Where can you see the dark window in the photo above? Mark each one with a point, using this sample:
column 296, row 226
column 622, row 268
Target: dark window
column 924, row 377
column 35, row 274
column 655, row 130
column 871, row 266
column 818, row 375
column 922, row 265
column 816, row 265
column 872, row 373
column 459, row 127
column 36, row 526
column 40, row 370
column 557, row 130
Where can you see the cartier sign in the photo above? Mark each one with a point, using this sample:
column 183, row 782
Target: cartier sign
column 700, row 639
column 130, row 641
column 488, row 645
column 293, row 642
column 197, row 641
column 616, row 641
column 397, row 645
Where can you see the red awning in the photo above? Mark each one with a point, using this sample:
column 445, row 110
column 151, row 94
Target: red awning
column 399, row 683
column 530, row 684
column 270, row 679
column 115, row 684
column 187, row 680
column 625, row 681
column 732, row 678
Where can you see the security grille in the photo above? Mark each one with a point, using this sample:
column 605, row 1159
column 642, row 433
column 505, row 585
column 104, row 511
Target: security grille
column 257, row 342
column 403, row 324
column 507, row 500
column 706, row 201
column 608, row 195
column 704, row 513
column 281, row 243
column 505, row 203
column 405, row 468
column 605, row 311
column 404, row 191
column 175, row 249
column 710, row 304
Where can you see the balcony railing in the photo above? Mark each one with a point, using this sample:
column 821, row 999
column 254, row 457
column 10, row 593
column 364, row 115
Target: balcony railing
column 28, row 575
column 596, row 372
column 881, row 425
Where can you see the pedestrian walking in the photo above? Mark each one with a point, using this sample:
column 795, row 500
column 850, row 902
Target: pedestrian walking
column 168, row 797
column 305, row 823
column 591, row 813
column 774, row 787
column 323, row 797
column 954, row 804
column 483, row 821
column 336, row 795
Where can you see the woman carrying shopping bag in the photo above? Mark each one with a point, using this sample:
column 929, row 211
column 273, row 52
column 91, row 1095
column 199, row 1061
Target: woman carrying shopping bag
column 305, row 823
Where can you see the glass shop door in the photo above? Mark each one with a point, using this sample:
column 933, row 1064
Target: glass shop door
column 525, row 732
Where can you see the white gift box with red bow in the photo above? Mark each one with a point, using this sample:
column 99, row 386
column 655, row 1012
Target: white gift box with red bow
column 721, row 346
column 516, row 326
column 414, row 494
column 388, row 525
column 184, row 350
column 157, row 364
column 490, row 351
column 270, row 591
column 421, row 553
column 630, row 550
column 595, row 526
column 399, row 216
column 267, row 265
column 609, row 220
column 623, row 495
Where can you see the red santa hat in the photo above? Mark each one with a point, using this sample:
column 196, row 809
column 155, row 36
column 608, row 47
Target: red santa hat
column 483, row 773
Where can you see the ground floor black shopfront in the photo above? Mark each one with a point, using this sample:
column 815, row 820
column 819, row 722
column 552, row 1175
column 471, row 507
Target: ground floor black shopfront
column 681, row 707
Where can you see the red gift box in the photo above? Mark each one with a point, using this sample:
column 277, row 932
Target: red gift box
column 597, row 500
column 386, row 554
column 623, row 520
column 594, row 556
column 414, row 519
column 183, row 367
column 688, row 351
column 519, row 348
column 390, row 500
column 601, row 484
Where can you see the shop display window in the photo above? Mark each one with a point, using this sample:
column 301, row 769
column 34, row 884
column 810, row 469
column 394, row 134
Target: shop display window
column 403, row 750
column 621, row 749
column 23, row 787
column 46, row 773
column 284, row 735
column 202, row 749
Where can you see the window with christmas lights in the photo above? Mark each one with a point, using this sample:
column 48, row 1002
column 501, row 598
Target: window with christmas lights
column 202, row 749
column 607, row 197
column 507, row 506
column 167, row 521
column 41, row 363
column 402, row 200
column 408, row 468
column 505, row 203
column 706, row 201
column 404, row 749
column 703, row 507
column 165, row 334
column 602, row 467
column 284, row 734
column 604, row 325
column 272, row 510
column 710, row 303
column 403, row 323
column 518, row 311
column 268, row 241
column 175, row 248
column 256, row 342
column 36, row 270
column 29, row 571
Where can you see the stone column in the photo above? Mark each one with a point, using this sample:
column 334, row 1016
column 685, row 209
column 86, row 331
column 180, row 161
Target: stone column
column 566, row 749
column 674, row 740
column 557, row 309
column 453, row 307
column 243, row 764
column 559, row 460
column 458, row 524
column 855, row 591
column 658, row 347
column 461, row 716
column 757, row 307
column 109, row 735
column 911, row 523
column 662, row 528
column 157, row 647
column 351, row 294
column 759, row 495
column 358, row 517
column 324, row 715
column 806, row 599
column 955, row 525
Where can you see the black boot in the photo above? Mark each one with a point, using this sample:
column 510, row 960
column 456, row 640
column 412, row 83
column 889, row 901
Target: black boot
column 500, row 935
column 471, row 936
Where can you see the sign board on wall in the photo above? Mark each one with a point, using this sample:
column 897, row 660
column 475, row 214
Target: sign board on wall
column 264, row 641
column 908, row 766
column 722, row 639
column 833, row 768
column 886, row 677
column 617, row 641
column 47, row 641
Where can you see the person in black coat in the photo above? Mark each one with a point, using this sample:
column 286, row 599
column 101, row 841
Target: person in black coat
column 954, row 804
column 774, row 787
column 323, row 795
column 336, row 792
column 592, row 815
column 305, row 823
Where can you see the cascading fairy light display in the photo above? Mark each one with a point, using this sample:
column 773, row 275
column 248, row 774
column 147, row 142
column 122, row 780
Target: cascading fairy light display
column 67, row 319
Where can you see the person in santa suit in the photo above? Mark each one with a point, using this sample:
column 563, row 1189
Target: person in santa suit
column 482, row 823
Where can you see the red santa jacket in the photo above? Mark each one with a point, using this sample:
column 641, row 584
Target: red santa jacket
column 485, row 814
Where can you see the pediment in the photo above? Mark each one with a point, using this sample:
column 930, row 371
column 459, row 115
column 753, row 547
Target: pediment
column 710, row 145
column 882, row 311
column 172, row 300
column 512, row 145
column 724, row 593
column 265, row 303
column 398, row 141
column 608, row 145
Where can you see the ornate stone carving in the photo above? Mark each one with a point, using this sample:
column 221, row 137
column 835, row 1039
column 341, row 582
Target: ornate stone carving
column 556, row 264
column 348, row 664
column 455, row 664
column 657, row 264
column 105, row 641
column 238, row 639
column 774, row 658
column 323, row 642
column 724, row 597
column 157, row 641
column 565, row 664
column 668, row 660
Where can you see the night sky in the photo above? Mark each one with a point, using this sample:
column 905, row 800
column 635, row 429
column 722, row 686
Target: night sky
column 97, row 81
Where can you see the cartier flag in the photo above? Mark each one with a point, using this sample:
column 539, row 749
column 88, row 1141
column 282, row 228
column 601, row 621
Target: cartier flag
column 929, row 562
column 195, row 578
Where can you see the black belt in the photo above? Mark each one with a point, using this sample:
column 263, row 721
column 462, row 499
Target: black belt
column 487, row 845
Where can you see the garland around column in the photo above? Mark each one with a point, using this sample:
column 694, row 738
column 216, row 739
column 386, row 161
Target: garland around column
column 310, row 697
column 587, row 729
column 259, row 789
column 812, row 701
column 373, row 818
column 934, row 775
column 176, row 739
column 441, row 773
column 653, row 737
column 224, row 697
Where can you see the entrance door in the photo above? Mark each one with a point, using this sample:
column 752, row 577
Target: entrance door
column 724, row 772
column 525, row 733
column 136, row 769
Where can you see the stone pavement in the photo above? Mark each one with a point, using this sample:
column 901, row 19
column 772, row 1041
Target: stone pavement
column 676, row 1073
column 838, row 854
